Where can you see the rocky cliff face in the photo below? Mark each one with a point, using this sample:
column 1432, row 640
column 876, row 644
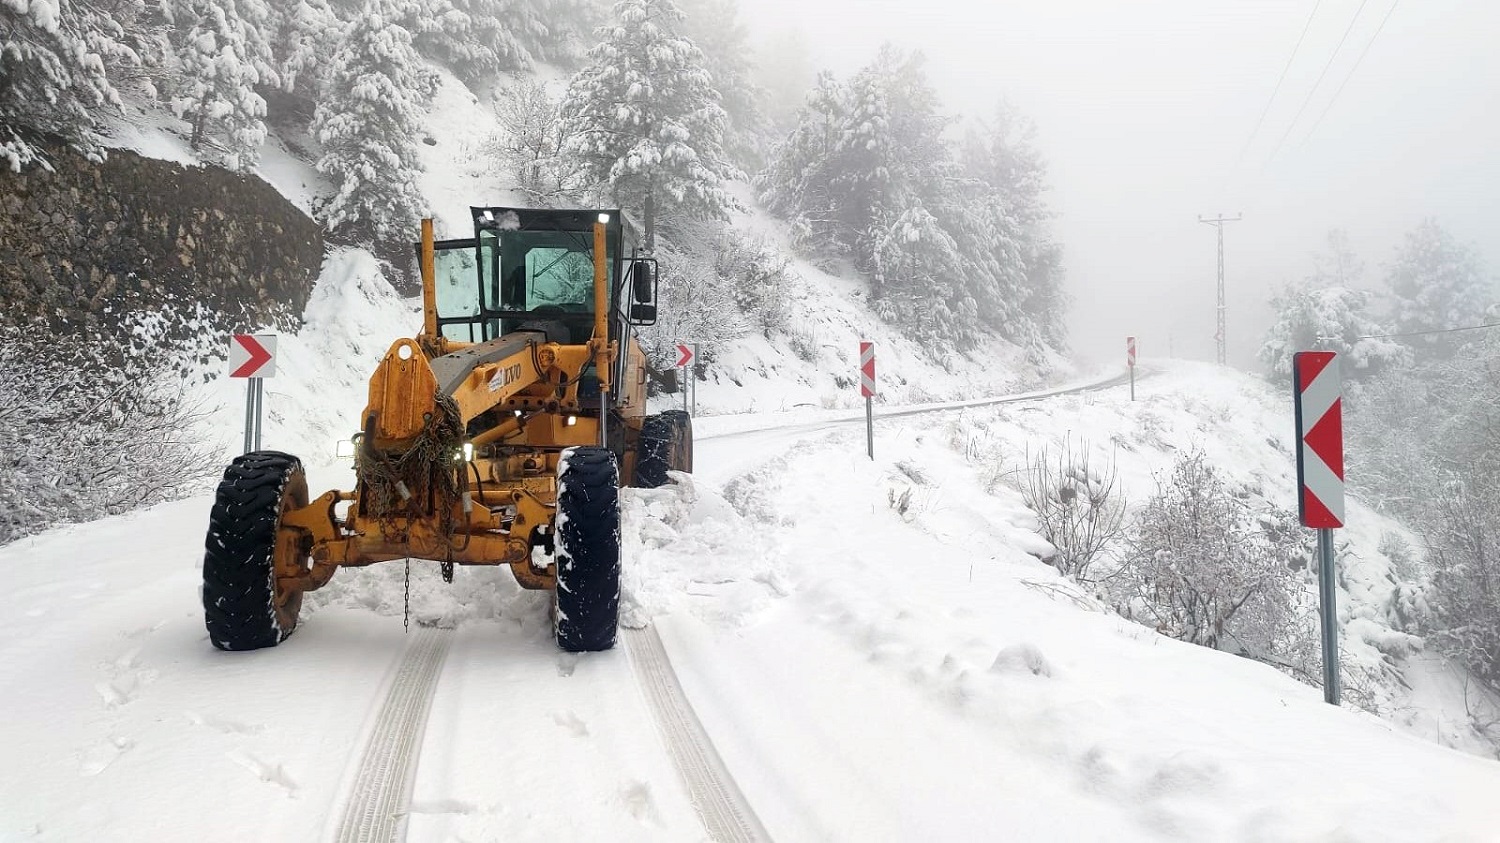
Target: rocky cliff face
column 144, row 251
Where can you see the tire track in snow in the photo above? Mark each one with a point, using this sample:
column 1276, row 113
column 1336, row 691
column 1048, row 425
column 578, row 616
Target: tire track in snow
column 377, row 804
column 721, row 806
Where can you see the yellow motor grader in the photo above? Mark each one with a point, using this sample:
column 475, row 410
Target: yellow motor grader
column 500, row 435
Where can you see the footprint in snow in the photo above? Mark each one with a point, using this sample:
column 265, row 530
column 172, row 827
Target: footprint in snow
column 266, row 772
column 97, row 758
column 638, row 800
column 572, row 722
column 228, row 727
column 141, row 632
column 1022, row 658
column 442, row 806
column 125, row 678
column 566, row 664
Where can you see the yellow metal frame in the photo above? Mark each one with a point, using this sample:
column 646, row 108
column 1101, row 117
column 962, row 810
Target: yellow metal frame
column 531, row 399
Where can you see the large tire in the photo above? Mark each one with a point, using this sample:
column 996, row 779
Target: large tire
column 666, row 444
column 241, row 605
column 588, row 550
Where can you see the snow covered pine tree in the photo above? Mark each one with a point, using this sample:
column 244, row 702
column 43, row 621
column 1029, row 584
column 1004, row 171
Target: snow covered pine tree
column 368, row 124
column 644, row 121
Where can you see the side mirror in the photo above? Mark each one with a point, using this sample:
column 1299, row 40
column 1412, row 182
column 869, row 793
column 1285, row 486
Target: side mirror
column 643, row 291
column 643, row 280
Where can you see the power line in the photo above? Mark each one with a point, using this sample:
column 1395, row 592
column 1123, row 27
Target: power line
column 1429, row 333
column 1315, row 85
column 1282, row 78
column 1352, row 71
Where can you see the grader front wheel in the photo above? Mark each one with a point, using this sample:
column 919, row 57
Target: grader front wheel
column 588, row 550
column 242, row 606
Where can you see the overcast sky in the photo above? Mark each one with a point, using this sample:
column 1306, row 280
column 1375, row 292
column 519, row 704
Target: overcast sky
column 1144, row 106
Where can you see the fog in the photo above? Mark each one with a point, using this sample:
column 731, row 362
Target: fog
column 1144, row 111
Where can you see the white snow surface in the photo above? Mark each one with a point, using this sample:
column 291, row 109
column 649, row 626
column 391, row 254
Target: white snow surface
column 865, row 675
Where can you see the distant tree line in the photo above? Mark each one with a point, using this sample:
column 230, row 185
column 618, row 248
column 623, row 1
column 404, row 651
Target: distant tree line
column 952, row 234
column 662, row 110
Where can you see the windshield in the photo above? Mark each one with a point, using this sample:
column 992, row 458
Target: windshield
column 501, row 279
column 546, row 269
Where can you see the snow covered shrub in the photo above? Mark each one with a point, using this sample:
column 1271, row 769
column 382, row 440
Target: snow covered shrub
column 694, row 306
column 757, row 274
column 77, row 448
column 1465, row 559
column 1202, row 566
column 1080, row 507
column 529, row 143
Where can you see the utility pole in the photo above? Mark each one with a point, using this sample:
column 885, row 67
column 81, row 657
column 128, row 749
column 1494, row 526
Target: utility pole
column 1218, row 222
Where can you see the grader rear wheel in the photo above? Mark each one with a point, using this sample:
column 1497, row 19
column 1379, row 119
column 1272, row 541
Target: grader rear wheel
column 666, row 444
column 242, row 606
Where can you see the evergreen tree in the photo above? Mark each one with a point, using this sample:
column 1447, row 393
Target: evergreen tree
column 715, row 26
column 53, row 82
column 1438, row 284
column 1327, row 311
column 643, row 120
column 368, row 125
column 473, row 38
column 222, row 53
column 1330, row 319
column 917, row 266
column 959, row 235
column 307, row 35
column 798, row 182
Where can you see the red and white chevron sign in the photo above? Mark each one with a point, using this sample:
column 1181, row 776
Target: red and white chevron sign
column 252, row 356
column 867, row 369
column 1130, row 351
column 1320, row 439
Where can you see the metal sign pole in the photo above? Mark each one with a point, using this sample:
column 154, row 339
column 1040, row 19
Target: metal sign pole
column 1328, row 611
column 870, row 425
column 260, row 410
column 1132, row 383
column 249, row 415
column 695, row 379
column 1320, row 480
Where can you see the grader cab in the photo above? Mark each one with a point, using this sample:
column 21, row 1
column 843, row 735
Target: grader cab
column 500, row 435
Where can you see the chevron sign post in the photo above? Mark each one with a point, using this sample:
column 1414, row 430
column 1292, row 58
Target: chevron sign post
column 867, row 389
column 1320, row 484
column 253, row 357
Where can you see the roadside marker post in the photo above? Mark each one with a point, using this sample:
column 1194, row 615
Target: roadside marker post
column 867, row 389
column 253, row 356
column 1130, row 362
column 1320, row 485
column 685, row 355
